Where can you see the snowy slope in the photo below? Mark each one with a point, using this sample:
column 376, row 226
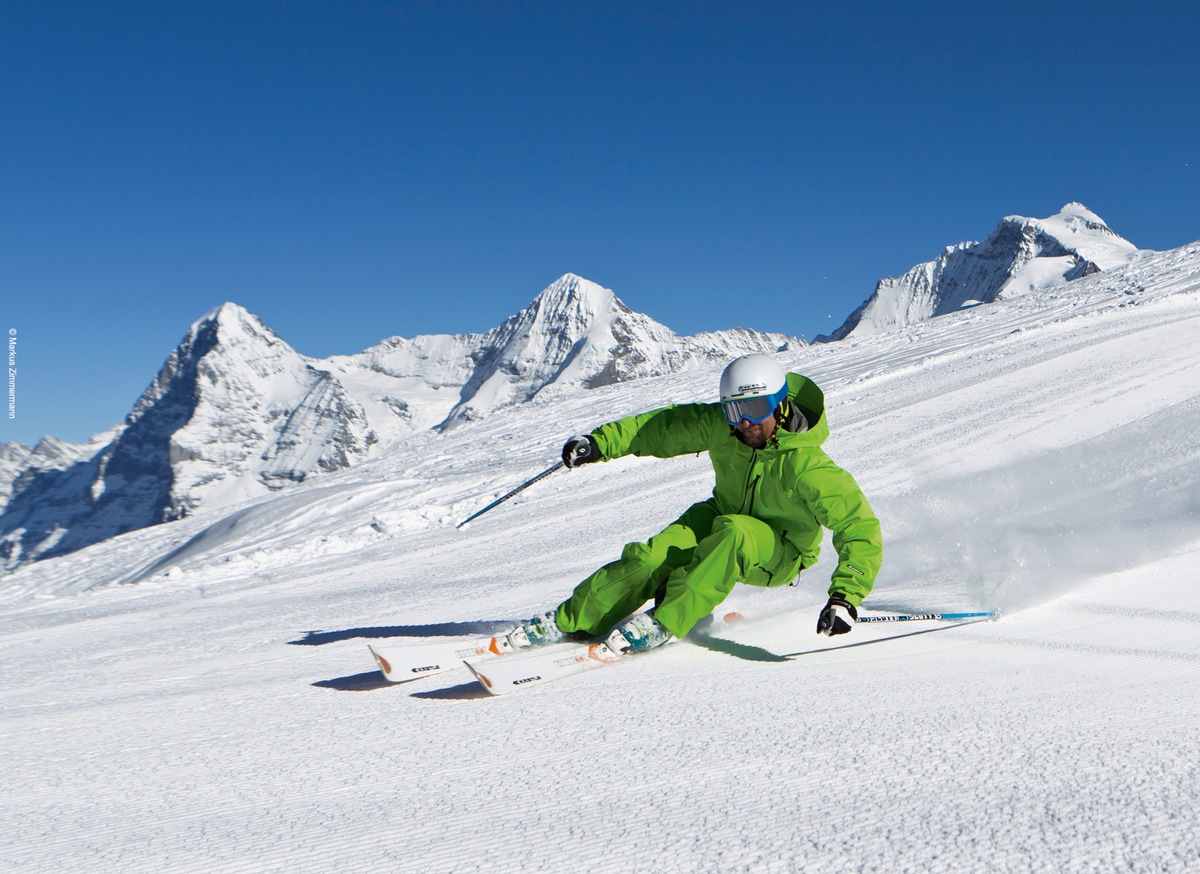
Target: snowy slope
column 1020, row 256
column 220, row 711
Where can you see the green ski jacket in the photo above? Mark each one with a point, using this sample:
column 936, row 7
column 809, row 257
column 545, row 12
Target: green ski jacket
column 791, row 484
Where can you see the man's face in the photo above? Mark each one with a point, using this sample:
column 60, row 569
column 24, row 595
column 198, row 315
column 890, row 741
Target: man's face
column 756, row 434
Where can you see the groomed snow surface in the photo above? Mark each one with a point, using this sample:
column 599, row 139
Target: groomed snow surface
column 199, row 696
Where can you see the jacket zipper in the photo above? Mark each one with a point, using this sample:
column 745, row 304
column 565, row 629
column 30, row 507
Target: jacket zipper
column 752, row 485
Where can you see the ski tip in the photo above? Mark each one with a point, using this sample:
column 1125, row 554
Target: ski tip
column 404, row 674
column 487, row 684
column 384, row 665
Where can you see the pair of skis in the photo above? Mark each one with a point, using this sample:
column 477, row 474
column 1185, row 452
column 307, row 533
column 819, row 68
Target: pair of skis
column 501, row 668
column 519, row 669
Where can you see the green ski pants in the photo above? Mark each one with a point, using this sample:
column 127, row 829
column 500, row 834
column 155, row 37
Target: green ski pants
column 699, row 557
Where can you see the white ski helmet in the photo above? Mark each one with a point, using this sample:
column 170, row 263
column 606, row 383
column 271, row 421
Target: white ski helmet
column 751, row 388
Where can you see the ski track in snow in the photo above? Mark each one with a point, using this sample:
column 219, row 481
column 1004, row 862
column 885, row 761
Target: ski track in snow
column 220, row 711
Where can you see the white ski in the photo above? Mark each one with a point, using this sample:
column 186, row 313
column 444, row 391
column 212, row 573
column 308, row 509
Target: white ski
column 505, row 675
column 404, row 662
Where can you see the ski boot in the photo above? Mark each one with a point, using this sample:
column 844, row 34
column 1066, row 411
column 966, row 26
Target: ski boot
column 541, row 630
column 638, row 633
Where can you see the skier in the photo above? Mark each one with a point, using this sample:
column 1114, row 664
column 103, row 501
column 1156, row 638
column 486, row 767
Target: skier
column 775, row 491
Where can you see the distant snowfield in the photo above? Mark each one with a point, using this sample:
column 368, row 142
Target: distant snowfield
column 220, row 711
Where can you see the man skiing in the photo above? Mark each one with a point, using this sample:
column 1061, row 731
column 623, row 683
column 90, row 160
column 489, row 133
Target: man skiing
column 775, row 491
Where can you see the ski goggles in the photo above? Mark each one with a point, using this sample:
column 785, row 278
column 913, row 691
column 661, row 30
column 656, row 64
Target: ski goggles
column 753, row 410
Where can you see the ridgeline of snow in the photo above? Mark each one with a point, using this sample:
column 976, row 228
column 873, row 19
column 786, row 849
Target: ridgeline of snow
column 1022, row 255
column 220, row 711
column 236, row 412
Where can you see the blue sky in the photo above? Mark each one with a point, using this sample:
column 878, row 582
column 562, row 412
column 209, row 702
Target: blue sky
column 355, row 170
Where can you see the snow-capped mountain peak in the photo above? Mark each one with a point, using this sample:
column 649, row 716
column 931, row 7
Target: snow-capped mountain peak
column 570, row 292
column 1022, row 255
column 1074, row 218
column 539, row 341
column 233, row 412
column 579, row 334
column 1083, row 234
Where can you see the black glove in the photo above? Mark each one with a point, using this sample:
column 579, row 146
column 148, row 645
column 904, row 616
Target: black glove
column 838, row 617
column 580, row 450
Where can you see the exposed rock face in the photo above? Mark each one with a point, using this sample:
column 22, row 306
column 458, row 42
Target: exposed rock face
column 13, row 460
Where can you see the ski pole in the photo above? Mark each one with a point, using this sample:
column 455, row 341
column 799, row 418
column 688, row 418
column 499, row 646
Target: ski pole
column 496, row 503
column 911, row 617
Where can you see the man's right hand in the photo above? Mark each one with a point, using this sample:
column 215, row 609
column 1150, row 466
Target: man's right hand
column 838, row 617
column 580, row 450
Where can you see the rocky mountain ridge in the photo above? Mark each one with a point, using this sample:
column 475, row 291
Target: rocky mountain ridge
column 236, row 412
